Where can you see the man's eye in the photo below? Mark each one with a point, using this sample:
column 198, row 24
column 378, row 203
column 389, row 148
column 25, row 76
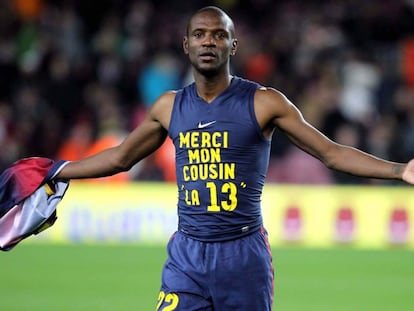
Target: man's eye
column 197, row 35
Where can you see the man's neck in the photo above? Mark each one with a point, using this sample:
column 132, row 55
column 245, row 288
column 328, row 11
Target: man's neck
column 208, row 88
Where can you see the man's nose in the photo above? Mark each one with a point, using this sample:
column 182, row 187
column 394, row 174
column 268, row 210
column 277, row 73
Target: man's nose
column 209, row 40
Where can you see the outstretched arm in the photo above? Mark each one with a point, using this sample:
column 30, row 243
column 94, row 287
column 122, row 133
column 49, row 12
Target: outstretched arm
column 141, row 142
column 285, row 116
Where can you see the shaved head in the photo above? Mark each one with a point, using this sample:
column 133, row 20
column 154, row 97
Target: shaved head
column 219, row 12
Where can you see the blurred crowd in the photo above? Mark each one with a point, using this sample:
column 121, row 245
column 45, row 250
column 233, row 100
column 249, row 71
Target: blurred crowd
column 77, row 76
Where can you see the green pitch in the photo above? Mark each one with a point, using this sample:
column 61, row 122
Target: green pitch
column 98, row 278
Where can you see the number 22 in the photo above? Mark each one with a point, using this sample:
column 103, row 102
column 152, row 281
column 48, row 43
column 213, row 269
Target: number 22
column 170, row 298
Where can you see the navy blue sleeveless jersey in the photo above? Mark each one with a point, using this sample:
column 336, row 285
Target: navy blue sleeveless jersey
column 221, row 162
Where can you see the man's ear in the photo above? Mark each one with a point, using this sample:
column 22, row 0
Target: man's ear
column 185, row 44
column 234, row 47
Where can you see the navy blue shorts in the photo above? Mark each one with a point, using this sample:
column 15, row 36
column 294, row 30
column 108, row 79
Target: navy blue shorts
column 220, row 276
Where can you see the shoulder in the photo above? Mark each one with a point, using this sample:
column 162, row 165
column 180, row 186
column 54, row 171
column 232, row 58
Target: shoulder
column 167, row 98
column 271, row 102
column 271, row 106
column 261, row 93
column 162, row 108
column 269, row 94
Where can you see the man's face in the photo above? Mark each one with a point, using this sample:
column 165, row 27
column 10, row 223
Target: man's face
column 209, row 42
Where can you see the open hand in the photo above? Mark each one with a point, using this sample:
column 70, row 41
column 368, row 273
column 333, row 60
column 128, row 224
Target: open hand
column 408, row 174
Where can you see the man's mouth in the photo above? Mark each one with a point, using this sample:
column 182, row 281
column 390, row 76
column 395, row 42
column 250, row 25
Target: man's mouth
column 207, row 56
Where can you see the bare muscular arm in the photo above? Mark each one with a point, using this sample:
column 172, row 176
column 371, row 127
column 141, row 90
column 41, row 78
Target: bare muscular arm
column 141, row 142
column 274, row 110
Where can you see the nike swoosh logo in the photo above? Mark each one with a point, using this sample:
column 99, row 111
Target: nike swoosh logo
column 203, row 125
